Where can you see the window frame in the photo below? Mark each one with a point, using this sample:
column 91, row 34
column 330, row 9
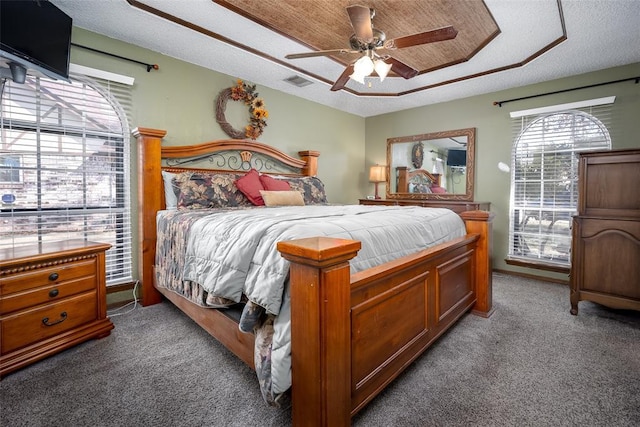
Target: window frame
column 116, row 208
column 550, row 209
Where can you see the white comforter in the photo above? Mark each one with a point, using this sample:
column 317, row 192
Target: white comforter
column 231, row 253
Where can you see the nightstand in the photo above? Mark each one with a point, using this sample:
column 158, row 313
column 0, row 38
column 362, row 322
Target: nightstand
column 52, row 297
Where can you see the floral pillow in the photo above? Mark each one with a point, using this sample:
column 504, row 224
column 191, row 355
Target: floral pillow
column 208, row 190
column 312, row 189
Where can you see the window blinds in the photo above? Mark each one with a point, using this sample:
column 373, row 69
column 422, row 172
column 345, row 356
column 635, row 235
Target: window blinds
column 544, row 190
column 544, row 181
column 65, row 166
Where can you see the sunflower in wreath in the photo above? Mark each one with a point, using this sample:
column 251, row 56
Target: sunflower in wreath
column 258, row 113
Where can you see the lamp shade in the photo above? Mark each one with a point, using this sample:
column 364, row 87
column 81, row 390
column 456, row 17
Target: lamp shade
column 382, row 68
column 358, row 77
column 363, row 66
column 378, row 173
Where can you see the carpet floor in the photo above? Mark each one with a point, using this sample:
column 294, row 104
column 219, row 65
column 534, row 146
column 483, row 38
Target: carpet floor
column 530, row 364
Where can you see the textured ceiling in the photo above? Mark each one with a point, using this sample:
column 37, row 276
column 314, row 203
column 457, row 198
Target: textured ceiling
column 500, row 43
column 324, row 25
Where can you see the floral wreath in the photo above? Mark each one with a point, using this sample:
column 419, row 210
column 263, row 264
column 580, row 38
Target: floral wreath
column 417, row 155
column 257, row 112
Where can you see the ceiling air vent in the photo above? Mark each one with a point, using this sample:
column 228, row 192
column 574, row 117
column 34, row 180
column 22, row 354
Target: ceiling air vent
column 298, row 81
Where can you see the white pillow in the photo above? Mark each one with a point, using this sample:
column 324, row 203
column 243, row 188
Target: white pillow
column 170, row 198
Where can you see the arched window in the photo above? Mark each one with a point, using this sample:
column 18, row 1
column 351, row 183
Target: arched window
column 544, row 185
column 64, row 166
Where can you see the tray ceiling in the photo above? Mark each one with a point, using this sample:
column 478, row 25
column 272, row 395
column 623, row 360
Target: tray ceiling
column 500, row 44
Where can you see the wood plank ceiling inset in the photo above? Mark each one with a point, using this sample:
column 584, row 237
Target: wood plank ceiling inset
column 324, row 24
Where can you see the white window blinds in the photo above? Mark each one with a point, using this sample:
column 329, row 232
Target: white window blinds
column 544, row 181
column 65, row 166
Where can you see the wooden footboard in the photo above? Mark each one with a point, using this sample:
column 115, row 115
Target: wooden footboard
column 352, row 335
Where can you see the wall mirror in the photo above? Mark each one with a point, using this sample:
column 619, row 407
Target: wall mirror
column 437, row 165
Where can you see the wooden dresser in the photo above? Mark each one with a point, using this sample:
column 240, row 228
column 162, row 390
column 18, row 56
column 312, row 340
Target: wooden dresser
column 52, row 296
column 605, row 253
column 455, row 205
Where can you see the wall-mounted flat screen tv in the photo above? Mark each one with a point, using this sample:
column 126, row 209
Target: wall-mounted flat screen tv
column 36, row 35
column 456, row 158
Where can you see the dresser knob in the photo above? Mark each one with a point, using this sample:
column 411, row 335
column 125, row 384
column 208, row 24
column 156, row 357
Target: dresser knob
column 53, row 276
column 53, row 293
column 63, row 317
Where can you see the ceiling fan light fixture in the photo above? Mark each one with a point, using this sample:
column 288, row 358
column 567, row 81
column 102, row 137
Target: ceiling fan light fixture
column 363, row 66
column 382, row 68
column 366, row 40
column 358, row 77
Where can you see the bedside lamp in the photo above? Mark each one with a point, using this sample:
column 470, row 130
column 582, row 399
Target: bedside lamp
column 377, row 174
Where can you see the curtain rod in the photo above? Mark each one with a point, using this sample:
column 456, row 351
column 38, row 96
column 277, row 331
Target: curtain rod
column 499, row 103
column 149, row 66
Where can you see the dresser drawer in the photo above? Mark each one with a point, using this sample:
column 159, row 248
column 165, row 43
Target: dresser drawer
column 30, row 326
column 45, row 294
column 592, row 228
column 46, row 276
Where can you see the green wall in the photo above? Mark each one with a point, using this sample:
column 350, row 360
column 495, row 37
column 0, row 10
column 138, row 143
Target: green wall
column 180, row 96
column 494, row 139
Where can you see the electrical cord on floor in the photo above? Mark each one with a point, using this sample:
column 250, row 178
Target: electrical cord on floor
column 134, row 302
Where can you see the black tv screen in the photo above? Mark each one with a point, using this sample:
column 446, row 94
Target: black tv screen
column 457, row 158
column 37, row 35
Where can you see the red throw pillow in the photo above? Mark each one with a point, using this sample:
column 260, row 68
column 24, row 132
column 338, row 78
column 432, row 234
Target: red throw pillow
column 272, row 184
column 250, row 186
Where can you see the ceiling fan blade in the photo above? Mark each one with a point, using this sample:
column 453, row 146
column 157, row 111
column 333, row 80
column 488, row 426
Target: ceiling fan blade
column 360, row 17
column 401, row 69
column 441, row 34
column 320, row 53
column 343, row 79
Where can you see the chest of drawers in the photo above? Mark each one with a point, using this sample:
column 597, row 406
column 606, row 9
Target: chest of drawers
column 605, row 245
column 52, row 296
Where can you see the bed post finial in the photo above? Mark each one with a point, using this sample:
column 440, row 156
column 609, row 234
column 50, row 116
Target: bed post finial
column 149, row 203
column 311, row 158
column 320, row 284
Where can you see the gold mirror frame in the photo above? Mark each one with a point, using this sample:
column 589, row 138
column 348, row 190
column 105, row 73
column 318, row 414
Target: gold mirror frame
column 470, row 133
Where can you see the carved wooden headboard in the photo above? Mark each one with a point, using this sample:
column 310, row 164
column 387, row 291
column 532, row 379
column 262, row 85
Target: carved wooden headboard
column 151, row 190
column 418, row 176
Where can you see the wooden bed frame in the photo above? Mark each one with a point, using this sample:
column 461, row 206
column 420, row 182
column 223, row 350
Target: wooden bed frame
column 351, row 335
column 404, row 177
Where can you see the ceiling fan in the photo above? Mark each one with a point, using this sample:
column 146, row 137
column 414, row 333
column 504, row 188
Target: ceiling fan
column 372, row 43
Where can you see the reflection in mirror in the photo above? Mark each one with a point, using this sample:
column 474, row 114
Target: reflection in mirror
column 437, row 165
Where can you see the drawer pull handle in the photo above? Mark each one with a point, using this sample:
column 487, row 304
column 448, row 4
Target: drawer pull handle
column 63, row 317
column 53, row 276
column 53, row 293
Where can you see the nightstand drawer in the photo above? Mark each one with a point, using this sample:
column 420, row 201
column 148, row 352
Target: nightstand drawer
column 45, row 294
column 44, row 276
column 27, row 327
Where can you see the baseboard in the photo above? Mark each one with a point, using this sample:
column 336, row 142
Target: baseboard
column 531, row 276
column 120, row 295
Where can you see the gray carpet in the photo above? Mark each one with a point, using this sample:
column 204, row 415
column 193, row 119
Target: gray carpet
column 530, row 364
